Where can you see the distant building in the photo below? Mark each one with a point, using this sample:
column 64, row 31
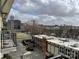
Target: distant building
column 11, row 17
column 50, row 27
column 69, row 27
column 14, row 25
column 23, row 27
column 61, row 48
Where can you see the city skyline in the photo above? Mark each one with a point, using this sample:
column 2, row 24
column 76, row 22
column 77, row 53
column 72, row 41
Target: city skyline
column 47, row 12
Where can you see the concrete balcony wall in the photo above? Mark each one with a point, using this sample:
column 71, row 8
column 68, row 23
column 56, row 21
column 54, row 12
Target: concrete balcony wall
column 1, row 25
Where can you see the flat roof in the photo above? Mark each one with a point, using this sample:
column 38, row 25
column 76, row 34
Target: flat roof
column 45, row 36
column 66, row 42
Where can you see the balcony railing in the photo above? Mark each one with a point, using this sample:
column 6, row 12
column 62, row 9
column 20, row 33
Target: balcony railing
column 8, row 39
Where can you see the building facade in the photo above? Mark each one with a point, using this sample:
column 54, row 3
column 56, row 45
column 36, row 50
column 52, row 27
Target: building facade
column 59, row 46
column 14, row 25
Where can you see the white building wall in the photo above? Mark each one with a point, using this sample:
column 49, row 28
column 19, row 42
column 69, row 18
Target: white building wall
column 1, row 25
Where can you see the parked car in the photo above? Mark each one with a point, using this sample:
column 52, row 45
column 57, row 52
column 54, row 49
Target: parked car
column 28, row 44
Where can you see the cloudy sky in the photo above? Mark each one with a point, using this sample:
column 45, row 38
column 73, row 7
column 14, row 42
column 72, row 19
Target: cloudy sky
column 47, row 12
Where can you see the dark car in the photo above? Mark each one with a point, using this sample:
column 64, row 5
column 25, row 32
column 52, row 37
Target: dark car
column 25, row 42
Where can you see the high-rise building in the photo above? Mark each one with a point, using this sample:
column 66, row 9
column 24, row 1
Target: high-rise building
column 14, row 25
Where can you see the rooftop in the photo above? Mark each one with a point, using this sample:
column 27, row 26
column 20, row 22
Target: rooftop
column 67, row 42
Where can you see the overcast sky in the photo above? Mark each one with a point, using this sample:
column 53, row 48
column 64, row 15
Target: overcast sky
column 47, row 12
